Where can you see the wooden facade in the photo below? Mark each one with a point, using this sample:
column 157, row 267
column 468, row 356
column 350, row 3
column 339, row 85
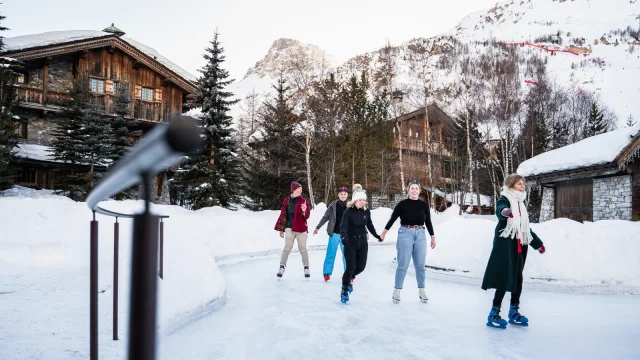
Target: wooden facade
column 158, row 89
column 415, row 144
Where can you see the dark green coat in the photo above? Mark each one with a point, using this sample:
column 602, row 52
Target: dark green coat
column 502, row 269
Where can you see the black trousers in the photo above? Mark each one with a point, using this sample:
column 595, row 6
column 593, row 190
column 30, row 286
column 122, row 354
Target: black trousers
column 356, row 258
column 515, row 296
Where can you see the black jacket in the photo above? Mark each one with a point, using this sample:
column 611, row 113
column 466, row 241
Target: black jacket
column 354, row 225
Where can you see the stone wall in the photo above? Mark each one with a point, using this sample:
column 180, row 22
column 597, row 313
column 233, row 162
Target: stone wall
column 547, row 209
column 60, row 77
column 612, row 198
column 40, row 131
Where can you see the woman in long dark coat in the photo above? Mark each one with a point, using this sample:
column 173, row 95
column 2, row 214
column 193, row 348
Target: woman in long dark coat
column 511, row 241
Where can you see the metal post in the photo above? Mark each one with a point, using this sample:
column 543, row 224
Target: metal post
column 116, row 245
column 93, row 290
column 144, row 265
column 161, row 249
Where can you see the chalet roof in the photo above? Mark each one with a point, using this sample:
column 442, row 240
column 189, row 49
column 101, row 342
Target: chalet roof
column 433, row 107
column 609, row 150
column 51, row 43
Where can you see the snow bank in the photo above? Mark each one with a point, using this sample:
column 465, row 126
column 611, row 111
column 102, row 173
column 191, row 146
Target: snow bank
column 596, row 150
column 44, row 250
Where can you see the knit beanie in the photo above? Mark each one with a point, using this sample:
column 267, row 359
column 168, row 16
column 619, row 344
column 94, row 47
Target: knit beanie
column 358, row 193
column 295, row 185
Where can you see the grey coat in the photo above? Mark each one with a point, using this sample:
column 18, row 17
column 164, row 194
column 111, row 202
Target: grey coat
column 330, row 216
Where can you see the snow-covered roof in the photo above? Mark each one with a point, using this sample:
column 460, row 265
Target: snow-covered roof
column 596, row 150
column 34, row 152
column 469, row 198
column 60, row 37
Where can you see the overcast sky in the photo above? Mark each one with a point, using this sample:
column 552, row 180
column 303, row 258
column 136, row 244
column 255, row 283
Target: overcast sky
column 181, row 29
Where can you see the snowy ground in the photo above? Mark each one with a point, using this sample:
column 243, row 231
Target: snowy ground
column 296, row 318
column 220, row 267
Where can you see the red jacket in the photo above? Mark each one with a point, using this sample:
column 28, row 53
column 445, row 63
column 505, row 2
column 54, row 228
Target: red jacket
column 299, row 223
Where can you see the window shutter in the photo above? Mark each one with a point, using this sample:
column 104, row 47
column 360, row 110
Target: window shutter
column 138, row 92
column 108, row 86
column 157, row 94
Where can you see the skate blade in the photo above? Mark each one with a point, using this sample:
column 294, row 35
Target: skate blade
column 395, row 301
column 518, row 324
column 497, row 326
column 424, row 300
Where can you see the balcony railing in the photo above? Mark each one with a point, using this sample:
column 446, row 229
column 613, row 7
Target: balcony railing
column 103, row 103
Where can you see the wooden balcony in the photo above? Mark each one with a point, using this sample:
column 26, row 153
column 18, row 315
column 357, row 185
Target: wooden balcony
column 34, row 98
column 417, row 145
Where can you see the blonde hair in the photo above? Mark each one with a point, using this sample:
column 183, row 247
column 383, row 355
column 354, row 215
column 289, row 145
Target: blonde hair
column 511, row 180
column 352, row 203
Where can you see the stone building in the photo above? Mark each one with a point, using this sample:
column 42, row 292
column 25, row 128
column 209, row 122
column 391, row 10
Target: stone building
column 595, row 179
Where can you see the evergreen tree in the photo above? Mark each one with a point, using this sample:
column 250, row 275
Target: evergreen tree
column 83, row 139
column 560, row 134
column 595, row 122
column 211, row 176
column 123, row 131
column 541, row 138
column 630, row 121
column 274, row 161
column 8, row 119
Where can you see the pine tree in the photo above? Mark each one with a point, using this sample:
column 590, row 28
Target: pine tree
column 274, row 161
column 8, row 119
column 211, row 176
column 83, row 139
column 541, row 138
column 559, row 135
column 595, row 123
column 630, row 121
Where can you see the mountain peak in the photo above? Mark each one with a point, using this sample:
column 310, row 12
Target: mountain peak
column 283, row 51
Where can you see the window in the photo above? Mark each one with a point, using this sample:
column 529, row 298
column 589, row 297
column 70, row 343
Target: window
column 97, row 85
column 115, row 88
column 147, row 94
column 28, row 176
column 20, row 79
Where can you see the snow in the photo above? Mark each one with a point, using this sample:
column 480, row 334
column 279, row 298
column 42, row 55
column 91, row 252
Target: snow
column 48, row 259
column 470, row 198
column 61, row 37
column 596, row 150
column 34, row 152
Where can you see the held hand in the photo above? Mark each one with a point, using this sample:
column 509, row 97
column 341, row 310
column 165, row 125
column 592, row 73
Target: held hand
column 282, row 234
column 433, row 242
column 304, row 207
column 506, row 212
column 542, row 249
column 315, row 232
column 382, row 236
column 380, row 239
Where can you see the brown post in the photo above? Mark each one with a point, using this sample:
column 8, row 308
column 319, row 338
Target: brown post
column 116, row 245
column 161, row 249
column 93, row 289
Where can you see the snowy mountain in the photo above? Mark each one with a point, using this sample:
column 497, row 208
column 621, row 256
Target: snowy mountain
column 588, row 46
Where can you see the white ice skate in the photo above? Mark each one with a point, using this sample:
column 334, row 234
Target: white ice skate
column 423, row 295
column 281, row 270
column 396, row 295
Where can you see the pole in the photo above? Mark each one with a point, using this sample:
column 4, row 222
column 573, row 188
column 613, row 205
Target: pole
column 144, row 264
column 116, row 245
column 93, row 290
column 161, row 249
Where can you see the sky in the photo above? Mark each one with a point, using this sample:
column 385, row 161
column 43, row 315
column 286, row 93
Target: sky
column 181, row 30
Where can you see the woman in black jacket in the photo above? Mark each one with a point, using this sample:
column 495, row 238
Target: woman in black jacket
column 353, row 233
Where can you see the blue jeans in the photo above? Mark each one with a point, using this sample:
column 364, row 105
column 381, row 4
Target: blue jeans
column 412, row 243
column 330, row 258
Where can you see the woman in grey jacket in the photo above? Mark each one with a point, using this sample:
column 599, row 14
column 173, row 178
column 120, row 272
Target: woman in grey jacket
column 334, row 216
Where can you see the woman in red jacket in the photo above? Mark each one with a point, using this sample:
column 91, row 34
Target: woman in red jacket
column 292, row 225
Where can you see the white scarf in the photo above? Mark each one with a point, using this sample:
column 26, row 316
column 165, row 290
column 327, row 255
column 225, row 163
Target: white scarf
column 518, row 225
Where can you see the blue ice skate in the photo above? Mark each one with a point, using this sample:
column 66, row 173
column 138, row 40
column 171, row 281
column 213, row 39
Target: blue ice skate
column 351, row 286
column 494, row 319
column 344, row 294
column 516, row 318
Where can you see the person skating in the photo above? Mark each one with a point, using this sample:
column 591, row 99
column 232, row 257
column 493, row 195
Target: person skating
column 512, row 238
column 353, row 234
column 292, row 225
column 412, row 242
column 333, row 215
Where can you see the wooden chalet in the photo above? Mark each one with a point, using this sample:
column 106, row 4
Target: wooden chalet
column 52, row 61
column 415, row 145
column 595, row 179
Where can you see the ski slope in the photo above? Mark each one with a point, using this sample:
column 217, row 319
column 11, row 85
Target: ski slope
column 296, row 318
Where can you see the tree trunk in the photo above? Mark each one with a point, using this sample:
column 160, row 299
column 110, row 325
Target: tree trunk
column 308, row 160
column 400, row 158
